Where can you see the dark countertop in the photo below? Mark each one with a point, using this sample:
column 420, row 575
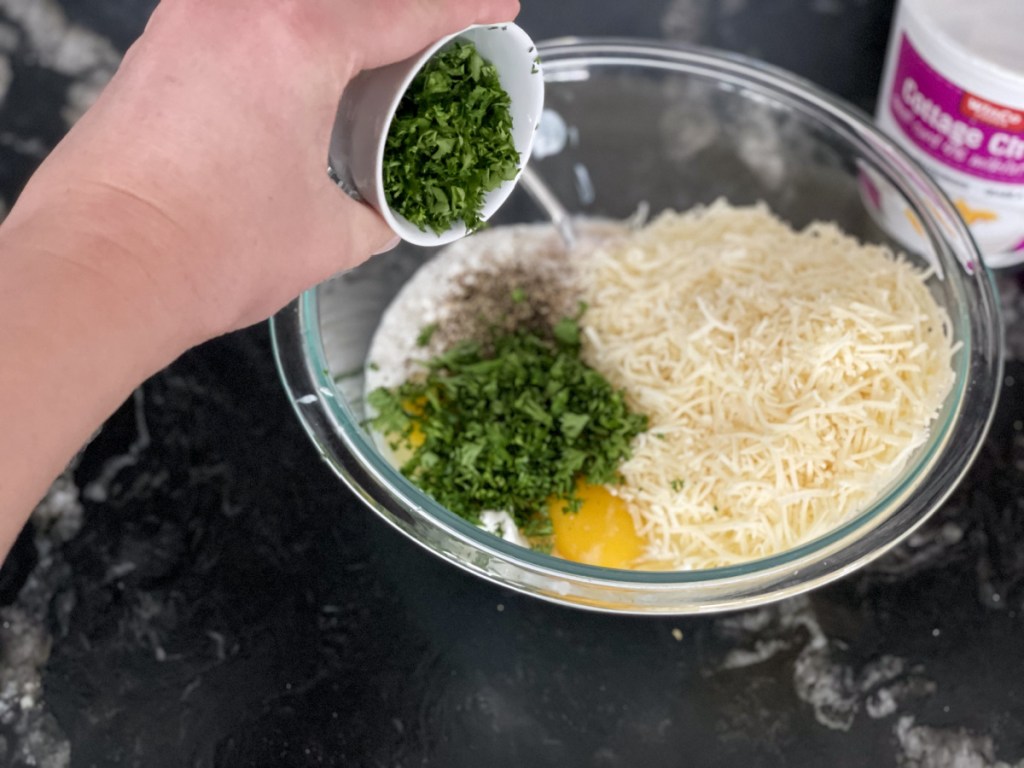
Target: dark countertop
column 200, row 590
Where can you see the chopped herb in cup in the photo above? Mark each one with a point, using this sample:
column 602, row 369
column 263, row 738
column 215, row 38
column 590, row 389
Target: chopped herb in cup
column 450, row 142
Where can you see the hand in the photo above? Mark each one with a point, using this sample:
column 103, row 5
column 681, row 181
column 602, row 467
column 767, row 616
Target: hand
column 191, row 200
column 204, row 161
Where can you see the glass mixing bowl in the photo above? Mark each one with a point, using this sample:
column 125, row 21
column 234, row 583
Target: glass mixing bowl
column 630, row 122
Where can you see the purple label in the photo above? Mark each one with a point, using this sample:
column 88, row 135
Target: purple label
column 959, row 129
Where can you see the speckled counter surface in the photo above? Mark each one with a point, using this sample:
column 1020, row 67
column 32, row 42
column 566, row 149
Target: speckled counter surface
column 199, row 590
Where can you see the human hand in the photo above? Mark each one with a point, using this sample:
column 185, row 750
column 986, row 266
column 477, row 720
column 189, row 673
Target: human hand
column 191, row 200
column 202, row 165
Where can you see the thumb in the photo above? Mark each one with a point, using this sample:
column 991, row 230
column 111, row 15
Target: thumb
column 349, row 231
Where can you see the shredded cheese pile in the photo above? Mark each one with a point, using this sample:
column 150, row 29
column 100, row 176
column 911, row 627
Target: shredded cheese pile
column 788, row 377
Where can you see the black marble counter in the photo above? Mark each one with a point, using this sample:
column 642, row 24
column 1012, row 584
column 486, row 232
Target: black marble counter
column 200, row 590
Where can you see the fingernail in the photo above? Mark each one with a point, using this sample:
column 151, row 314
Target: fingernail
column 390, row 244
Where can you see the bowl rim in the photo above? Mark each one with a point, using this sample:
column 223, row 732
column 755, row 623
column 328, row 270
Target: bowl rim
column 827, row 557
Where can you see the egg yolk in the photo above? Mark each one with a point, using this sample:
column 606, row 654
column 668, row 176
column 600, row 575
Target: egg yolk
column 600, row 533
column 414, row 408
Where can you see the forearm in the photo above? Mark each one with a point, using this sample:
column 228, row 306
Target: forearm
column 79, row 334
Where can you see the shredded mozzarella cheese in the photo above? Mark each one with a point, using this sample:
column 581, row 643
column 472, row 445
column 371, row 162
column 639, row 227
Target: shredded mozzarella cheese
column 788, row 377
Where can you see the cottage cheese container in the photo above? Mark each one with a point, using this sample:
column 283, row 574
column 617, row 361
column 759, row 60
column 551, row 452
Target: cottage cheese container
column 952, row 95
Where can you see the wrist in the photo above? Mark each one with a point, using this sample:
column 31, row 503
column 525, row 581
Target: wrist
column 97, row 256
column 80, row 288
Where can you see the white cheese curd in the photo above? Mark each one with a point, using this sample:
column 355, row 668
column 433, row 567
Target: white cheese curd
column 503, row 526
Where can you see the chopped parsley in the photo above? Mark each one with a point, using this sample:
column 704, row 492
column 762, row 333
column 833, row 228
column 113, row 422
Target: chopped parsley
column 450, row 142
column 426, row 334
column 509, row 428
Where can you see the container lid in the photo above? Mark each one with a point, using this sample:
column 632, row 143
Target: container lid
column 988, row 31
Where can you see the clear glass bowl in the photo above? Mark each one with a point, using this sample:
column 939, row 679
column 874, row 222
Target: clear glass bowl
column 674, row 127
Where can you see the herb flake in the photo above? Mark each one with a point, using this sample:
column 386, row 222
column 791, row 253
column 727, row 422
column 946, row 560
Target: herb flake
column 426, row 334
